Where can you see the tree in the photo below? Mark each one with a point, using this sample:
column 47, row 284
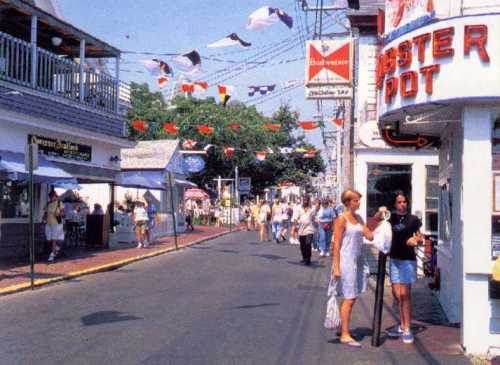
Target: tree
column 251, row 137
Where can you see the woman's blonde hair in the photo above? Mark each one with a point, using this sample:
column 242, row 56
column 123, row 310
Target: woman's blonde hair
column 348, row 195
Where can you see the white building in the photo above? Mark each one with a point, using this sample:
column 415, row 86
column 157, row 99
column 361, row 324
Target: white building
column 448, row 76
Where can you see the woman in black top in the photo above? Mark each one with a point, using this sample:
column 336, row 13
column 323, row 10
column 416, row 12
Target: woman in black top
column 403, row 269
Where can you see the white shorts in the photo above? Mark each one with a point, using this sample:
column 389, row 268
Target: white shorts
column 54, row 232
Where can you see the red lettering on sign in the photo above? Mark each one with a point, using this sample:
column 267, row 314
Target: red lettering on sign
column 428, row 72
column 476, row 35
column 380, row 71
column 412, row 77
column 441, row 42
column 420, row 42
column 404, row 54
column 391, row 88
column 390, row 61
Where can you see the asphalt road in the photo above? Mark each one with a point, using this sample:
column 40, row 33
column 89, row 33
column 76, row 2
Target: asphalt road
column 228, row 301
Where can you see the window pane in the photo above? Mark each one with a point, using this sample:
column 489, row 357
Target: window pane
column 432, row 204
column 431, row 221
column 383, row 181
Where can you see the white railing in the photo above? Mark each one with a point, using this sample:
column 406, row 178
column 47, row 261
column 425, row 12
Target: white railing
column 56, row 75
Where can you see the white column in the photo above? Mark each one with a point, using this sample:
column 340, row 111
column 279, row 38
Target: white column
column 117, row 77
column 476, row 229
column 34, row 52
column 82, row 70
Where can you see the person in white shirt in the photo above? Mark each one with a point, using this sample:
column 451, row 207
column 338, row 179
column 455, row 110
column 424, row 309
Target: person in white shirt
column 140, row 221
column 264, row 220
column 276, row 219
column 306, row 229
column 296, row 210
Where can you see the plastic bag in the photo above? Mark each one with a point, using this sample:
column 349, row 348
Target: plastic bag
column 382, row 237
column 332, row 318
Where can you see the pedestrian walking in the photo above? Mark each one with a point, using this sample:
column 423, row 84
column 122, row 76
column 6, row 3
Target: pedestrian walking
column 287, row 216
column 189, row 207
column 247, row 215
column 140, row 221
column 349, row 267
column 254, row 207
column 152, row 221
column 264, row 220
column 325, row 218
column 294, row 237
column 403, row 265
column 53, row 218
column 276, row 220
column 306, row 229
column 316, row 203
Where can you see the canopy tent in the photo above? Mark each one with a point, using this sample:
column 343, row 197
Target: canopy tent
column 46, row 172
column 197, row 194
column 136, row 179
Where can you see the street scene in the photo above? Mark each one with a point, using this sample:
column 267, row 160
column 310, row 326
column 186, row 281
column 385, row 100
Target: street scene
column 250, row 182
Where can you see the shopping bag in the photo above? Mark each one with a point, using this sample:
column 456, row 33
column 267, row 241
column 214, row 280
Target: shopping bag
column 382, row 237
column 332, row 317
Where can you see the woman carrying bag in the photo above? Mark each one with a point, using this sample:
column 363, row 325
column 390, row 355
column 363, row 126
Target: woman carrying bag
column 349, row 274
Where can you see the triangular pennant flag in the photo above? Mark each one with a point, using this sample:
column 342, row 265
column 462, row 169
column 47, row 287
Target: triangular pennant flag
column 205, row 129
column 162, row 81
column 170, row 128
column 188, row 63
column 187, row 87
column 266, row 16
column 262, row 90
column 231, row 40
column 308, row 125
column 234, row 126
column 261, row 155
column 286, row 150
column 272, row 126
column 225, row 93
column 284, row 17
column 229, row 151
column 200, row 86
column 157, row 67
column 139, row 125
column 189, row 144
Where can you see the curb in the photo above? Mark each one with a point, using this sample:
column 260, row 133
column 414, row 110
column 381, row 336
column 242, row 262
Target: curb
column 107, row 267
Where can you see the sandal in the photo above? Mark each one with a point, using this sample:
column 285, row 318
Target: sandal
column 351, row 343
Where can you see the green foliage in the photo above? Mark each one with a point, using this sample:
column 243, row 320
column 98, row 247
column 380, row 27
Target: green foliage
column 251, row 137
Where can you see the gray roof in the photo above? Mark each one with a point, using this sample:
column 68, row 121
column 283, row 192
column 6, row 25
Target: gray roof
column 149, row 154
column 367, row 7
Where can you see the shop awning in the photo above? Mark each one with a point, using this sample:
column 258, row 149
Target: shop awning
column 47, row 172
column 185, row 183
column 135, row 179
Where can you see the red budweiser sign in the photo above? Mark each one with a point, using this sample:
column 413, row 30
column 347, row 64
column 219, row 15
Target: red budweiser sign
column 329, row 62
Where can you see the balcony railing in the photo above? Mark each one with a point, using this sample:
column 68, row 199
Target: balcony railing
column 56, row 75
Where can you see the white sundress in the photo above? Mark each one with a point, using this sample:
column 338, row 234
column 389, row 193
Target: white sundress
column 354, row 268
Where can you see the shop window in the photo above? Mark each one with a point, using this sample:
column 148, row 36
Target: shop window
column 14, row 199
column 431, row 199
column 383, row 181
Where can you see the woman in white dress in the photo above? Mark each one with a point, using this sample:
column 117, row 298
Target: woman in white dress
column 349, row 267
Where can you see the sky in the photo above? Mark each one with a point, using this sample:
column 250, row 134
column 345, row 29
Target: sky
column 179, row 26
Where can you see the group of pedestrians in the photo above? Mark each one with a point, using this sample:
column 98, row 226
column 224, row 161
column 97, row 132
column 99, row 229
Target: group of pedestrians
column 321, row 225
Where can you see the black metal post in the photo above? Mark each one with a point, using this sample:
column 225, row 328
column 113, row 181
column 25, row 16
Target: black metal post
column 174, row 221
column 32, row 213
column 379, row 299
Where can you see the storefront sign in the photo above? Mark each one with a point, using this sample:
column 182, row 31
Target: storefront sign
column 193, row 163
column 400, row 14
column 451, row 60
column 245, row 184
column 329, row 62
column 61, row 149
column 329, row 92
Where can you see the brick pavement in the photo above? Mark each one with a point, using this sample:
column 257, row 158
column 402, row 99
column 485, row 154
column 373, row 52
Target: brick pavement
column 73, row 262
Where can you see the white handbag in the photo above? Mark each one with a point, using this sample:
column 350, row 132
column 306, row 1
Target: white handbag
column 382, row 236
column 332, row 317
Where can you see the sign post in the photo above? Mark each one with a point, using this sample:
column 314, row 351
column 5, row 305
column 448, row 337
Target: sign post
column 30, row 165
column 379, row 299
column 174, row 221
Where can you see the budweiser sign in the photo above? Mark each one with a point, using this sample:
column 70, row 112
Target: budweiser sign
column 329, row 62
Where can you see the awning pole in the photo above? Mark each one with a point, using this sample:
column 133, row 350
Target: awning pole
column 174, row 223
column 32, row 213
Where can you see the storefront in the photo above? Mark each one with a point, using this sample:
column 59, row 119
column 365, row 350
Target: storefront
column 66, row 155
column 440, row 84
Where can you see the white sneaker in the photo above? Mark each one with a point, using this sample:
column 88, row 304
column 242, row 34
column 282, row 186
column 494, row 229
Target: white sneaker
column 322, row 254
column 146, row 243
column 328, row 254
column 139, row 245
column 51, row 257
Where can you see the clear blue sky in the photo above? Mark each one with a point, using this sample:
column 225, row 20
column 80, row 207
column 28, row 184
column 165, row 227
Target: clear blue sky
column 178, row 26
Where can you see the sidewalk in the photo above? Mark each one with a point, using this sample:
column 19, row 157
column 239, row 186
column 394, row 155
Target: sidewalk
column 74, row 262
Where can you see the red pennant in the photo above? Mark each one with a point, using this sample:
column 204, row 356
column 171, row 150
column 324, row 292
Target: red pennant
column 338, row 121
column 308, row 125
column 139, row 125
column 162, row 81
column 261, row 155
column 203, row 85
column 205, row 129
column 229, row 151
column 187, row 87
column 170, row 128
column 188, row 144
column 234, row 126
column 272, row 126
